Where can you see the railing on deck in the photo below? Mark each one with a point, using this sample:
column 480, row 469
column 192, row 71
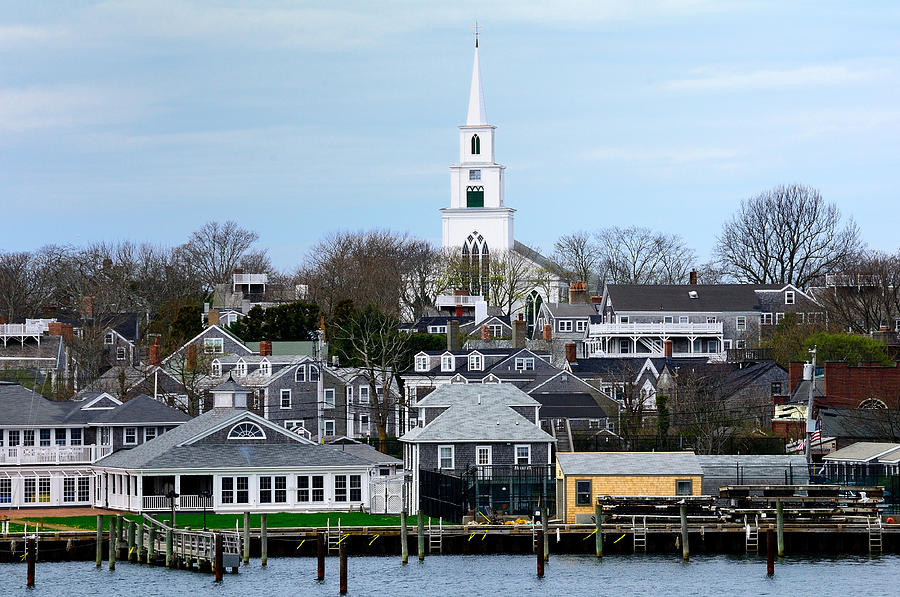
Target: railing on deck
column 53, row 454
column 182, row 502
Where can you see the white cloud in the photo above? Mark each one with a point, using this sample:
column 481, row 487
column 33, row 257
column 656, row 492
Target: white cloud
column 662, row 157
column 14, row 35
column 24, row 109
column 805, row 76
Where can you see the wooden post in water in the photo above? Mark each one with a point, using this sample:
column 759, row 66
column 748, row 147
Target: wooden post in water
column 140, row 542
column 320, row 556
column 598, row 530
column 263, row 540
column 120, row 535
column 770, row 553
column 540, row 554
column 29, row 558
column 779, row 514
column 219, row 561
column 545, row 531
column 113, row 540
column 421, row 535
column 685, row 548
column 151, row 546
column 99, row 540
column 246, row 537
column 343, row 574
column 130, row 540
column 404, row 536
column 170, row 555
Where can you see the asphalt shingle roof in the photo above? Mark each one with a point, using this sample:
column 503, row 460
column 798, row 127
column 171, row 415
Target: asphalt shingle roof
column 629, row 463
column 674, row 297
column 864, row 452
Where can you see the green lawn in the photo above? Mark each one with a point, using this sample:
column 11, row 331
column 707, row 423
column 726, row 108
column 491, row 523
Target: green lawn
column 227, row 521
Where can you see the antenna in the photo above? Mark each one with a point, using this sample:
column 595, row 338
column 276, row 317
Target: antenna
column 476, row 28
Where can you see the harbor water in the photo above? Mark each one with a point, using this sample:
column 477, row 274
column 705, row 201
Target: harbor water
column 477, row 576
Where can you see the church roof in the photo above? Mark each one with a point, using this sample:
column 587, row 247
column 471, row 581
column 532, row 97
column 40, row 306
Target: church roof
column 477, row 115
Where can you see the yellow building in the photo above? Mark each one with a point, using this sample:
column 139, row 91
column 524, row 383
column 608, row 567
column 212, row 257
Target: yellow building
column 583, row 476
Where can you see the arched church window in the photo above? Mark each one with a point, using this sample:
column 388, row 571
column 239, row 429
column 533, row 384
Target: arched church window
column 475, row 196
column 476, row 145
column 476, row 257
column 532, row 309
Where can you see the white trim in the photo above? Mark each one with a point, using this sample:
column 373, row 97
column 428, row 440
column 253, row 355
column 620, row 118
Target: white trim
column 281, row 395
column 452, row 457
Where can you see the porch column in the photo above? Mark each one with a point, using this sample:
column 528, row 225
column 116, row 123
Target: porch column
column 178, row 490
column 634, row 344
column 691, row 343
column 140, row 493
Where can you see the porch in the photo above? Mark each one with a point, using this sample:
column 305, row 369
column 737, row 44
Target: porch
column 191, row 492
column 19, row 455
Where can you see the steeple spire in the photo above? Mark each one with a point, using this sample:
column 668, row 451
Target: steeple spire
column 477, row 114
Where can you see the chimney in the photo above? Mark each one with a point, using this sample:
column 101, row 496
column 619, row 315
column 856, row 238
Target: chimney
column 693, row 277
column 107, row 263
column 239, row 270
column 155, row 361
column 2, row 321
column 460, row 292
column 453, row 335
column 485, row 332
column 795, row 374
column 480, row 311
column 548, row 332
column 577, row 293
column 245, row 306
column 212, row 317
column 667, row 348
column 87, row 306
column 519, row 330
column 191, row 357
column 265, row 348
column 596, row 300
column 571, row 354
column 459, row 312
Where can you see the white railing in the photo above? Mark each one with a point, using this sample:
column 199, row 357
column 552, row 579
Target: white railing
column 194, row 502
column 183, row 502
column 852, row 280
column 452, row 300
column 251, row 279
column 53, row 454
column 655, row 329
column 156, row 502
column 21, row 329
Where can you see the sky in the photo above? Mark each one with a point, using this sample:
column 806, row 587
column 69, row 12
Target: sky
column 141, row 121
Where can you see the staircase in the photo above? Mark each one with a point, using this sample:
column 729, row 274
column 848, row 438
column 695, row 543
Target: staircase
column 436, row 536
column 875, row 528
column 639, row 533
column 562, row 433
column 752, row 536
column 333, row 534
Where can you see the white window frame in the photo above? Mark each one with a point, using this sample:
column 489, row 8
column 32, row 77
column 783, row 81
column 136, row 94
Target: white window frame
column 441, row 457
column 740, row 343
column 711, row 319
column 581, row 325
column 421, row 362
column 683, row 319
column 150, row 433
column 623, row 319
column 527, row 457
column 790, row 297
column 668, row 319
column 265, row 368
column 109, row 338
column 364, row 425
column 496, row 330
column 448, row 362
column 564, row 325
column 328, row 398
column 778, row 318
column 348, row 394
column 121, row 353
column 300, row 374
column 524, row 363
column 765, row 319
column 475, row 174
column 437, row 329
column 476, row 362
column 726, row 344
column 285, row 393
column 129, row 431
column 329, row 423
column 487, row 450
column 740, row 323
column 363, row 394
column 216, row 368
column 313, row 374
column 214, row 345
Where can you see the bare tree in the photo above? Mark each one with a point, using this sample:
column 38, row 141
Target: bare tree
column 637, row 255
column 422, row 269
column 215, row 250
column 867, row 296
column 787, row 235
column 578, row 257
column 511, row 278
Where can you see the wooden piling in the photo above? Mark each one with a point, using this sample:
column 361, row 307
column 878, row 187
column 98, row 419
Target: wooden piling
column 151, row 546
column 113, row 540
column 540, row 554
column 545, row 531
column 120, row 535
column 131, row 549
column 99, row 540
column 219, row 558
column 263, row 540
column 421, row 535
column 170, row 554
column 29, row 558
column 598, row 529
column 342, row 551
column 685, row 548
column 404, row 536
column 320, row 556
column 779, row 514
column 139, row 553
column 770, row 553
column 246, row 537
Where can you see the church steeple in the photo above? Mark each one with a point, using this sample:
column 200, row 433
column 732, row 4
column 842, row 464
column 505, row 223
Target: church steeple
column 477, row 115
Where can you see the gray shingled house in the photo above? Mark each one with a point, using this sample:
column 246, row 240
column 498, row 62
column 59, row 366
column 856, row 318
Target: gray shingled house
column 244, row 462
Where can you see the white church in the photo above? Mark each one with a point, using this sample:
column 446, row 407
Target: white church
column 478, row 222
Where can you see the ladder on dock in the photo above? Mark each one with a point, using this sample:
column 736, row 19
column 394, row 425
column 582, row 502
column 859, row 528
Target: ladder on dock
column 751, row 537
column 436, row 536
column 333, row 535
column 874, row 528
column 639, row 534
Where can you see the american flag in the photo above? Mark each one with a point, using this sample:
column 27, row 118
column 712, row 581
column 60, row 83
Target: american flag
column 817, row 434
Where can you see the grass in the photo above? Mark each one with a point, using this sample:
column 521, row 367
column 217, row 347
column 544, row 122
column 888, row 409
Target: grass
column 227, row 521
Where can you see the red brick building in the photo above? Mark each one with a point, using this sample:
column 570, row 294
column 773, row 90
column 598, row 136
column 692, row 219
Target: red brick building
column 852, row 386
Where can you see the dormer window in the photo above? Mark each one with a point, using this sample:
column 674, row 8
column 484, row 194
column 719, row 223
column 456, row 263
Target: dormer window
column 109, row 338
column 788, row 297
column 265, row 368
column 213, row 345
column 421, row 362
column 246, row 431
column 524, row 364
column 216, row 368
column 476, row 145
column 476, row 362
column 313, row 373
column 447, row 363
column 241, row 368
column 300, row 374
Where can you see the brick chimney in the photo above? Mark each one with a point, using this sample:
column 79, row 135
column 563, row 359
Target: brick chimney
column 212, row 317
column 239, row 270
column 571, row 352
column 155, row 361
column 265, row 348
column 191, row 357
column 87, row 306
column 453, row 335
column 519, row 330
column 795, row 374
column 596, row 300
column 667, row 348
column 459, row 311
column 693, row 277
column 485, row 332
column 548, row 332
column 577, row 293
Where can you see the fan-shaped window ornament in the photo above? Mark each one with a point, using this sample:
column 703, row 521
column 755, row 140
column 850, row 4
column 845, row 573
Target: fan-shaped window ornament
column 246, row 431
column 872, row 403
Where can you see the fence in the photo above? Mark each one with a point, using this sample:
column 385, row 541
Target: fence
column 651, row 443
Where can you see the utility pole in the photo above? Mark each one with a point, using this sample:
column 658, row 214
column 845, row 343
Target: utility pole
column 810, row 424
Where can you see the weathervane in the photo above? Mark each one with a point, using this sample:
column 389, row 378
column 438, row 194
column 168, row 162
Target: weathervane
column 476, row 28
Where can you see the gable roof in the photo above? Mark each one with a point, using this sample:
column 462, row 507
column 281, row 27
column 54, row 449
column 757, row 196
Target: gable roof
column 629, row 463
column 576, row 310
column 572, row 405
column 464, row 394
column 674, row 297
column 865, row 452
column 141, row 409
column 207, row 331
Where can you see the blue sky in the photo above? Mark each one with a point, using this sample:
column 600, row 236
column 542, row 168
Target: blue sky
column 142, row 120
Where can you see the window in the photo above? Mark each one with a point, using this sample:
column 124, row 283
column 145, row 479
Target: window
column 740, row 343
column 726, row 344
column 227, row 490
column 84, row 489
column 474, row 174
column 300, row 374
column 105, row 436
column 476, row 145
column 364, row 424
column 241, row 368
column 475, row 196
column 766, row 319
column 623, row 319
column 475, row 362
column 5, row 491
column 524, row 363
column 69, row 489
column 497, row 330
column 149, row 433
column 778, row 318
column 355, row 488
column 329, row 427
column 60, row 437
column 28, row 437
column 483, row 456
column 272, row 490
column 682, row 319
column 265, row 368
column 340, row 488
column 363, row 394
column 130, row 436
column 789, row 297
column 580, row 325
column 75, row 437
column 740, row 323
column 30, row 491
column 437, row 329
column 710, row 320
column 421, row 362
column 564, row 325
column 445, row 457
column 109, row 338
column 242, row 494
column 523, row 454
column 213, row 345
column 246, row 431
column 684, row 487
column 447, row 362
column 120, row 353
column 624, row 346
column 776, row 388
column 13, row 437
column 313, row 373
column 583, row 492
column 216, row 367
column 316, row 483
column 668, row 319
column 329, row 398
column 44, row 490
column 712, row 346
column 285, row 398
column 799, row 317
column 45, row 437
